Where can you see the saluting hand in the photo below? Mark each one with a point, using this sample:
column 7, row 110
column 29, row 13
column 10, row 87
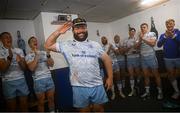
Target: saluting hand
column 65, row 27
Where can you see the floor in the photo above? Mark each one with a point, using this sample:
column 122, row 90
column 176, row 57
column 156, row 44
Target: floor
column 131, row 104
column 137, row 104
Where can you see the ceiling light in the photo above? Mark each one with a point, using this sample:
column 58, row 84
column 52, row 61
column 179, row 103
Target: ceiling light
column 148, row 2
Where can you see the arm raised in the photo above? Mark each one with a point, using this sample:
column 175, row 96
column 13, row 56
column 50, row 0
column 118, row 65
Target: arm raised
column 50, row 43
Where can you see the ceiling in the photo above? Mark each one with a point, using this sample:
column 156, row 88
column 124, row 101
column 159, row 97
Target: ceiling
column 92, row 10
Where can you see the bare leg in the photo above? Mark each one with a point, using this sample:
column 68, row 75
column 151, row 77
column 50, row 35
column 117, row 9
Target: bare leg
column 40, row 98
column 11, row 105
column 98, row 108
column 146, row 83
column 50, row 97
column 132, row 82
column 158, row 82
column 23, row 103
column 86, row 109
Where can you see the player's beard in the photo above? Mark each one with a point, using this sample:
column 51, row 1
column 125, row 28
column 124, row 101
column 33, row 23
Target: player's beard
column 81, row 38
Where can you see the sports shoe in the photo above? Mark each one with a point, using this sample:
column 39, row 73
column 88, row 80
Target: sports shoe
column 160, row 96
column 132, row 93
column 121, row 94
column 113, row 96
column 175, row 95
column 145, row 96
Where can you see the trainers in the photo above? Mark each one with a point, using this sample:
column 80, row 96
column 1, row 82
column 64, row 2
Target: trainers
column 132, row 93
column 160, row 96
column 113, row 96
column 121, row 94
column 145, row 96
column 175, row 95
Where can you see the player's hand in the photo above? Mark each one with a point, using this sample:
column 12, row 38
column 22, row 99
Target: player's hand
column 10, row 52
column 141, row 35
column 65, row 27
column 18, row 58
column 109, row 83
column 169, row 34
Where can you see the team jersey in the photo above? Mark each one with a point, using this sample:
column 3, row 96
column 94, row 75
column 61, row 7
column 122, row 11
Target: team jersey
column 42, row 70
column 120, row 57
column 14, row 71
column 132, row 53
column 111, row 52
column 82, row 58
column 146, row 49
column 3, row 52
column 171, row 47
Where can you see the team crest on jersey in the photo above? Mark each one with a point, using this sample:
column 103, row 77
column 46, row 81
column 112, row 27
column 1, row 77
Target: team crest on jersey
column 73, row 44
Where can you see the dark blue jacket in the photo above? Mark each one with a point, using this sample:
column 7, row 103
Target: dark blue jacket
column 171, row 47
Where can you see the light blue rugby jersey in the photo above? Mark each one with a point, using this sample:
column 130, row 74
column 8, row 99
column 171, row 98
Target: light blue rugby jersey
column 42, row 70
column 82, row 58
column 120, row 57
column 146, row 49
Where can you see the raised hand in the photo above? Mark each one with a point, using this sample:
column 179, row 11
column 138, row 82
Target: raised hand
column 10, row 52
column 110, row 46
column 141, row 35
column 65, row 27
column 169, row 33
column 36, row 54
column 18, row 58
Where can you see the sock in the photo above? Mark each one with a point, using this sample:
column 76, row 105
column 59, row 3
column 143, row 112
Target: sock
column 174, row 85
column 159, row 90
column 138, row 79
column 147, row 89
column 119, row 85
column 132, row 84
column 112, row 89
column 123, row 83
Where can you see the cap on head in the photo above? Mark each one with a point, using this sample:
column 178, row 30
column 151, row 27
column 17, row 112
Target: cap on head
column 79, row 21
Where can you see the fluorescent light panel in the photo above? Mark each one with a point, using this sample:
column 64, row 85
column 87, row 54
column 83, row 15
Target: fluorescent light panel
column 148, row 2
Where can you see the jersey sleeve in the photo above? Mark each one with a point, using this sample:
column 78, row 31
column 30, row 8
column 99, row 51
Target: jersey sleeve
column 99, row 49
column 59, row 46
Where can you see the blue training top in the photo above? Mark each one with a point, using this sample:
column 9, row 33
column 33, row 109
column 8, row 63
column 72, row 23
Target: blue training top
column 171, row 47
